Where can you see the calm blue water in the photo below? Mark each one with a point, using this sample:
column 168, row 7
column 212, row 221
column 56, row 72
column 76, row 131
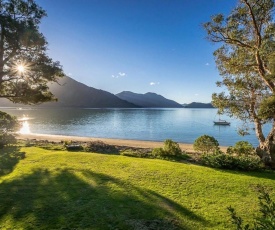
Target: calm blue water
column 181, row 125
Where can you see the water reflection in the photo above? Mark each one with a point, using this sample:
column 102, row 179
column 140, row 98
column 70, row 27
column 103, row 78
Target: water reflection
column 25, row 128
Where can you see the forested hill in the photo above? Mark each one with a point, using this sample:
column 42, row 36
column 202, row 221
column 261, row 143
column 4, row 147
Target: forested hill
column 148, row 100
column 71, row 93
column 199, row 105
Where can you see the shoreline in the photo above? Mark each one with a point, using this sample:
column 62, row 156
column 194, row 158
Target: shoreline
column 120, row 142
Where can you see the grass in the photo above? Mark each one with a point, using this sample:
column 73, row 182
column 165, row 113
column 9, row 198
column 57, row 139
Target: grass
column 48, row 189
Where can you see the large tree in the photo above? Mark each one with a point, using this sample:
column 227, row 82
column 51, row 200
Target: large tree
column 246, row 62
column 25, row 68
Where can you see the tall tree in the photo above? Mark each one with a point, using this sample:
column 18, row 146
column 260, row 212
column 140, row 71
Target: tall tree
column 246, row 62
column 25, row 68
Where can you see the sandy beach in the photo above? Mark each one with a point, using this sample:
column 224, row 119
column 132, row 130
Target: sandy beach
column 121, row 142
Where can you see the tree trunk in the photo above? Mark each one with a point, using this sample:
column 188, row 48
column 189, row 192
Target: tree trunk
column 266, row 148
column 267, row 152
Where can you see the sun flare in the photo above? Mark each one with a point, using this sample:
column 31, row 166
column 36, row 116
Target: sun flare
column 21, row 68
column 25, row 129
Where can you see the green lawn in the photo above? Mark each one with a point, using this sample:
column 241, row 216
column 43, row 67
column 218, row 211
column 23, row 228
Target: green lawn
column 43, row 189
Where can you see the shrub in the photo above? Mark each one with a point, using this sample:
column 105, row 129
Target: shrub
column 159, row 152
column 74, row 147
column 170, row 151
column 206, row 144
column 136, row 153
column 170, row 148
column 267, row 210
column 226, row 161
column 100, row 147
column 241, row 148
column 66, row 142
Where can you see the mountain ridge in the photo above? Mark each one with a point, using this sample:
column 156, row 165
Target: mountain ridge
column 71, row 93
column 148, row 100
column 199, row 105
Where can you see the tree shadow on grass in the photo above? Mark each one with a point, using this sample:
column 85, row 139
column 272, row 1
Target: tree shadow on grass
column 88, row 200
column 9, row 157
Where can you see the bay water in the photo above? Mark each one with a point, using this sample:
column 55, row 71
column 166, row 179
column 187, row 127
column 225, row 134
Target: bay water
column 181, row 125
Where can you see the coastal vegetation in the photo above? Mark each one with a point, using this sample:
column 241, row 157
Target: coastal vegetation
column 242, row 156
column 221, row 160
column 107, row 191
column 245, row 61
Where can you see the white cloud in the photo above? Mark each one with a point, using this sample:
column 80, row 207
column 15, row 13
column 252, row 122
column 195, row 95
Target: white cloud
column 207, row 64
column 122, row 74
column 154, row 83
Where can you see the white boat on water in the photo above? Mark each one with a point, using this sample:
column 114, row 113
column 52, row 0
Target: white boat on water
column 221, row 122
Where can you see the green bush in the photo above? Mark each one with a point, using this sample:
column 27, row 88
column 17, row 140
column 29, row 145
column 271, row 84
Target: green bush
column 170, row 148
column 266, row 221
column 241, row 148
column 206, row 144
column 226, row 161
column 170, row 151
column 159, row 152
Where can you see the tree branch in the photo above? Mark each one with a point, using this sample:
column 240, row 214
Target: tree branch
column 258, row 33
column 219, row 36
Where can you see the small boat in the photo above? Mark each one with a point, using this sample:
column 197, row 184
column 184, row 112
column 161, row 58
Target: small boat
column 221, row 122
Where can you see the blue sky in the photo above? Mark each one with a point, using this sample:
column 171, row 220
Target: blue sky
column 136, row 45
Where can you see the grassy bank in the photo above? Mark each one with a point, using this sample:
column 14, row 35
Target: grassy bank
column 43, row 189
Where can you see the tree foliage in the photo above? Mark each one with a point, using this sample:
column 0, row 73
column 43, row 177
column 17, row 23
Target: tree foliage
column 25, row 68
column 8, row 124
column 246, row 62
